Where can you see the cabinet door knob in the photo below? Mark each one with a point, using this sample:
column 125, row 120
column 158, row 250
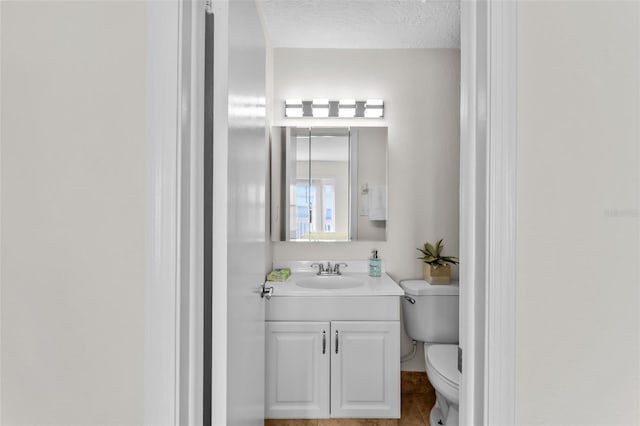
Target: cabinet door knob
column 324, row 342
column 336, row 341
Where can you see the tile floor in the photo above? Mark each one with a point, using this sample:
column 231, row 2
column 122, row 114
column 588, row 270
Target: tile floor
column 416, row 401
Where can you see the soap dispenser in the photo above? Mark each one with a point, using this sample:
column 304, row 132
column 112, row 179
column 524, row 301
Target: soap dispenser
column 375, row 265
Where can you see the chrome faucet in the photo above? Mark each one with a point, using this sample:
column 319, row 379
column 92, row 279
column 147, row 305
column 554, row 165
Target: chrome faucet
column 320, row 268
column 336, row 268
column 329, row 269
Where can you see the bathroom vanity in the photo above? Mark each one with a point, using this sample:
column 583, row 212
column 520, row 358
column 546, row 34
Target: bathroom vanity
column 333, row 345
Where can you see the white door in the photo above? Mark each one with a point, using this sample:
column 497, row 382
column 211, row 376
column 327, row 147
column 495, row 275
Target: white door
column 365, row 369
column 297, row 370
column 238, row 215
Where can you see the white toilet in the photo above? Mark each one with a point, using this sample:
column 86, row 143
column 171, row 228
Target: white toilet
column 431, row 316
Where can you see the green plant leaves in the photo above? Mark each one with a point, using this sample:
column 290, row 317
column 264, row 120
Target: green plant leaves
column 430, row 249
column 450, row 259
column 433, row 255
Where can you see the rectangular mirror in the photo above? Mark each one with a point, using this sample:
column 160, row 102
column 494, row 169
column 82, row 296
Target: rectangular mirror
column 328, row 183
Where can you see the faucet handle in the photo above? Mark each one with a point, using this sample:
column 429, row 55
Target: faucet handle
column 320, row 267
column 336, row 267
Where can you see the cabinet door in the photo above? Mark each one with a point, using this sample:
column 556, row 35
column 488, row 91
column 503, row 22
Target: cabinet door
column 365, row 369
column 297, row 370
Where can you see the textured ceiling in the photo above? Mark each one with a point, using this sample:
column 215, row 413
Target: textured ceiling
column 363, row 24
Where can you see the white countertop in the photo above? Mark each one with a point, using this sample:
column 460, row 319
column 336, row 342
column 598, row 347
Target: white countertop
column 371, row 286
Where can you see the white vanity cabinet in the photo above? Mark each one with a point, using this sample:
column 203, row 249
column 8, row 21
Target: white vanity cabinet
column 332, row 345
column 297, row 370
column 332, row 369
column 365, row 369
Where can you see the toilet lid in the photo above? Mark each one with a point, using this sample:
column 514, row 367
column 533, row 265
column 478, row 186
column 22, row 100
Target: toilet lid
column 444, row 360
column 423, row 288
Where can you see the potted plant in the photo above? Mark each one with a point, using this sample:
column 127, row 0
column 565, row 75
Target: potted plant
column 436, row 268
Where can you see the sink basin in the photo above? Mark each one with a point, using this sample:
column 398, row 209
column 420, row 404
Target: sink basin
column 329, row 282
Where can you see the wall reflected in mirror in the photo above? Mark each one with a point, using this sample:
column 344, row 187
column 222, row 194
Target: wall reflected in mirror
column 329, row 183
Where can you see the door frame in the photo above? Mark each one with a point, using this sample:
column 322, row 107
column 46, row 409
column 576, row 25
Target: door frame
column 173, row 235
column 488, row 211
column 174, row 262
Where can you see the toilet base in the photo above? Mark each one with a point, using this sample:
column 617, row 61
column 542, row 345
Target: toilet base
column 437, row 416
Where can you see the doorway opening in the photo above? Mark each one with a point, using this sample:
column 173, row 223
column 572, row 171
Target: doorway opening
column 487, row 78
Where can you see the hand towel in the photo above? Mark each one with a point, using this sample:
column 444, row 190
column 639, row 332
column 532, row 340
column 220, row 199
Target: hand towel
column 279, row 275
column 377, row 202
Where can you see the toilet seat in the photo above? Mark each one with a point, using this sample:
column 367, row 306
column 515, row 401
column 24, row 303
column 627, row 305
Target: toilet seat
column 442, row 369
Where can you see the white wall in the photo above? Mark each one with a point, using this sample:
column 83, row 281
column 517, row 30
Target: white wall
column 422, row 111
column 578, row 234
column 72, row 212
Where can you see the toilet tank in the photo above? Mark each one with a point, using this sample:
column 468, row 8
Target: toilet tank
column 431, row 311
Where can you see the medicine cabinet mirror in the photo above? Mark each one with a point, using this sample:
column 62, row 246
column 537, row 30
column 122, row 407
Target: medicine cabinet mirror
column 329, row 183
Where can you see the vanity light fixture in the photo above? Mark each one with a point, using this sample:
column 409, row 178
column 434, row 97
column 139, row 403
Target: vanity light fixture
column 374, row 108
column 320, row 108
column 347, row 108
column 293, row 108
column 325, row 108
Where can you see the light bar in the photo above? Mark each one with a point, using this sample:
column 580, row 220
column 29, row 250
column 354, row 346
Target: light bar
column 347, row 108
column 293, row 108
column 320, row 108
column 326, row 108
column 374, row 108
